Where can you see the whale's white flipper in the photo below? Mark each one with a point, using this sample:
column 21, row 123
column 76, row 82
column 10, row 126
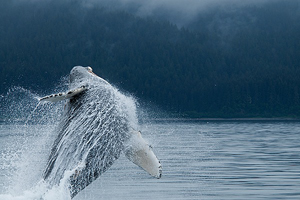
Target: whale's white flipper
column 63, row 96
column 141, row 154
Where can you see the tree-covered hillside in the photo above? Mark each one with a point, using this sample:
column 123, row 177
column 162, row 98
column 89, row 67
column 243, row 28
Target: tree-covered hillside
column 227, row 62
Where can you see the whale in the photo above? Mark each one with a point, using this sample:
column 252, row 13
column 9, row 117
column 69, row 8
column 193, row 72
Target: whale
column 97, row 126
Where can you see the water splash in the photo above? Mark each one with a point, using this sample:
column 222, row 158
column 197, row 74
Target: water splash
column 31, row 114
column 36, row 126
column 40, row 192
column 25, row 146
column 19, row 105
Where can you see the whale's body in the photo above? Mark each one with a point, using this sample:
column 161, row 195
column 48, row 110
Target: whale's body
column 98, row 124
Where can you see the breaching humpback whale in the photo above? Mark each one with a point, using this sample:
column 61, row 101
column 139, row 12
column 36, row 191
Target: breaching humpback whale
column 95, row 129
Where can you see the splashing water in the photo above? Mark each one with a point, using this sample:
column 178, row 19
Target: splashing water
column 32, row 125
column 37, row 124
column 31, row 114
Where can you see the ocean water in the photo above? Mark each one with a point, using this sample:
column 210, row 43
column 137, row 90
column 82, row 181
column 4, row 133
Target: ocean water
column 201, row 160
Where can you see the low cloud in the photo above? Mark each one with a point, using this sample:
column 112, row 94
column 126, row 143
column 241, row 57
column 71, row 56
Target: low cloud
column 177, row 11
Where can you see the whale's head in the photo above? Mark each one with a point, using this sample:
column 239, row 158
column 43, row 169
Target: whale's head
column 78, row 74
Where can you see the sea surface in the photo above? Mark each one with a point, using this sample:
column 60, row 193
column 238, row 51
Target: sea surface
column 200, row 159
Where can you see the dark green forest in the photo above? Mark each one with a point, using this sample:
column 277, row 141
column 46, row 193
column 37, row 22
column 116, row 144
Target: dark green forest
column 226, row 62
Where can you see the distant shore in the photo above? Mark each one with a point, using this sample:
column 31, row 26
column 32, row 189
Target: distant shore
column 179, row 119
column 226, row 119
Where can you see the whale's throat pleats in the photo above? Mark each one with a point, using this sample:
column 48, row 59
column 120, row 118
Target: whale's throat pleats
column 90, row 138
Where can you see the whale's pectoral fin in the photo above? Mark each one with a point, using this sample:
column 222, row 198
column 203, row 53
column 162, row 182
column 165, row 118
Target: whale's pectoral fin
column 62, row 96
column 141, row 154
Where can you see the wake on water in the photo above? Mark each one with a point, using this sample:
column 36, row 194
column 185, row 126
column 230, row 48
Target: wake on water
column 36, row 126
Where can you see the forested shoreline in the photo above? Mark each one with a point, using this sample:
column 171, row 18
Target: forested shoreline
column 224, row 63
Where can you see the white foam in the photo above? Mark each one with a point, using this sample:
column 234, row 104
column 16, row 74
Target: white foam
column 42, row 191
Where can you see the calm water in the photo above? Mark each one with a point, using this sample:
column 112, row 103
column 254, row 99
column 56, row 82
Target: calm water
column 215, row 160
